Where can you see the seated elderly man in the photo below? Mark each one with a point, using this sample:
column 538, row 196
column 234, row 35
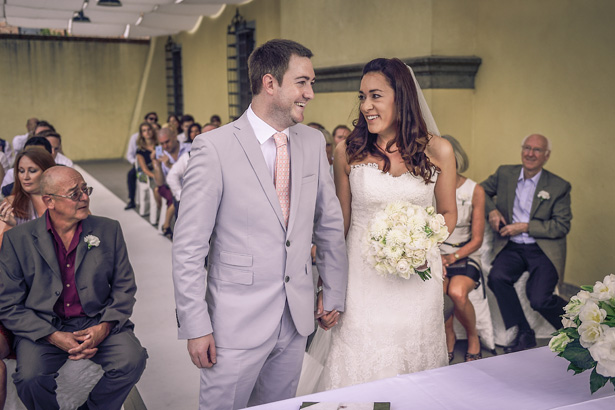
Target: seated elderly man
column 529, row 210
column 67, row 291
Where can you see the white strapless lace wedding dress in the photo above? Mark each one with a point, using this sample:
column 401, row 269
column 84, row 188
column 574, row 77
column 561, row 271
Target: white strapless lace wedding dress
column 392, row 325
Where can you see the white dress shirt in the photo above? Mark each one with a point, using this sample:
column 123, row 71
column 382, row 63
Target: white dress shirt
column 264, row 134
column 131, row 150
column 175, row 177
column 524, row 194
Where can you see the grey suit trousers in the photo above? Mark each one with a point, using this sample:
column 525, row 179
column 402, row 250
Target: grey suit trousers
column 121, row 356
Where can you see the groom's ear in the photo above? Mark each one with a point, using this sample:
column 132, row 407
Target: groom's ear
column 269, row 84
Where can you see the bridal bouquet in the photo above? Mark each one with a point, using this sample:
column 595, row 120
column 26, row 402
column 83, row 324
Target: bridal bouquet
column 402, row 237
column 587, row 339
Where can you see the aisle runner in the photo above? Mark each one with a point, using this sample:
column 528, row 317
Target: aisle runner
column 170, row 380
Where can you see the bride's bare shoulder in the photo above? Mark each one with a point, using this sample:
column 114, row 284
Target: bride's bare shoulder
column 438, row 149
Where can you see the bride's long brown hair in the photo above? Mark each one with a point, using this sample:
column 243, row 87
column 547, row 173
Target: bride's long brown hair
column 412, row 135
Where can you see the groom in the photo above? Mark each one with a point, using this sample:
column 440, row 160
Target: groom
column 257, row 192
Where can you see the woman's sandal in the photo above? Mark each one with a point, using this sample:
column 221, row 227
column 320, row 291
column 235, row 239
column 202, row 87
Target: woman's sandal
column 471, row 357
column 451, row 356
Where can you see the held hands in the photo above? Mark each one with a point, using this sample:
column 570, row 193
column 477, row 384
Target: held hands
column 498, row 224
column 326, row 319
column 202, row 351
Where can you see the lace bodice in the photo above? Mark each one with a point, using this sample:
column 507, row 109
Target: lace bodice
column 373, row 189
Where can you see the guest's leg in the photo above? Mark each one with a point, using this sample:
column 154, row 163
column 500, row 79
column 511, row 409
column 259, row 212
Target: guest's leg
column 131, row 182
column 37, row 367
column 540, row 286
column 123, row 360
column 506, row 270
column 458, row 289
column 279, row 376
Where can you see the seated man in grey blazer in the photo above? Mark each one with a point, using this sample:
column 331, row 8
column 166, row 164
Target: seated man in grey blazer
column 257, row 192
column 67, row 291
column 529, row 209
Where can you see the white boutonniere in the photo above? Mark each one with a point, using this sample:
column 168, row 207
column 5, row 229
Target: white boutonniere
column 543, row 195
column 92, row 241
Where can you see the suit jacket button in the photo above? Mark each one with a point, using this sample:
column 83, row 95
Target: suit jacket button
column 287, row 243
column 57, row 293
column 287, row 279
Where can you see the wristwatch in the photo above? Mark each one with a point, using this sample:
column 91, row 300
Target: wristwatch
column 456, row 255
column 319, row 289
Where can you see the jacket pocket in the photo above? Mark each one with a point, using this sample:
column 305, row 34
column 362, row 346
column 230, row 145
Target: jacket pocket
column 308, row 178
column 235, row 259
column 232, row 275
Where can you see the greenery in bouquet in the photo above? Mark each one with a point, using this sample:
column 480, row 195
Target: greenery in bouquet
column 587, row 339
column 402, row 237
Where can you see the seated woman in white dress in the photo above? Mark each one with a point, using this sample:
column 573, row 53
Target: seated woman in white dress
column 461, row 255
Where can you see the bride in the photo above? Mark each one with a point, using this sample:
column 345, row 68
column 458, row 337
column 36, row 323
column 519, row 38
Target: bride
column 390, row 325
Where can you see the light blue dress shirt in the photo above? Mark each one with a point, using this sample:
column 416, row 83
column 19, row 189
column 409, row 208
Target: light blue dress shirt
column 524, row 194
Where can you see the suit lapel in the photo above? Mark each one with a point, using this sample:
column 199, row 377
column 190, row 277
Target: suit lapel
column 541, row 185
column 44, row 245
column 82, row 247
column 249, row 143
column 511, row 192
column 296, row 171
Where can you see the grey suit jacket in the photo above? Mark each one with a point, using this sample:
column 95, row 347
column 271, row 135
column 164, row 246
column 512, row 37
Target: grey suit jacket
column 31, row 282
column 230, row 211
column 549, row 218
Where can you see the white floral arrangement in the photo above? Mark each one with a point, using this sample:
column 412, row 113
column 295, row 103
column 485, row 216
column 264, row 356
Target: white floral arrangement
column 543, row 195
column 587, row 339
column 92, row 241
column 402, row 237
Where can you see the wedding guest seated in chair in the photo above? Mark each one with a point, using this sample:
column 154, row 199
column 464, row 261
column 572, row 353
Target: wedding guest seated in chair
column 68, row 290
column 461, row 255
column 529, row 210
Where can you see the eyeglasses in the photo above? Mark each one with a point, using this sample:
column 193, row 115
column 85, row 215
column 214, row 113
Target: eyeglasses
column 76, row 195
column 527, row 148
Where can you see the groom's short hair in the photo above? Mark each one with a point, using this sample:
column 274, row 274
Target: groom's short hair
column 272, row 58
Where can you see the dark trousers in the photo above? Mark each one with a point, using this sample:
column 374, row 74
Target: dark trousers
column 121, row 356
column 508, row 267
column 131, row 181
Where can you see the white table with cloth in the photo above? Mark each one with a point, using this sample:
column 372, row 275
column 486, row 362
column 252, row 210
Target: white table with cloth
column 528, row 380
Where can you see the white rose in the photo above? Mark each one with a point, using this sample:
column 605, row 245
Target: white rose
column 583, row 296
column 416, row 223
column 430, row 210
column 403, row 268
column 603, row 292
column 435, row 224
column 603, row 351
column 590, row 312
column 590, row 332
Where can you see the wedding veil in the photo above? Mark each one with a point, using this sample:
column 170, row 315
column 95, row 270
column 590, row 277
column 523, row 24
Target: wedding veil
column 432, row 128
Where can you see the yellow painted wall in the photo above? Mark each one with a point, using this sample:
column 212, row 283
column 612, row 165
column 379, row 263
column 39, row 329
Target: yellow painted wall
column 546, row 68
column 86, row 89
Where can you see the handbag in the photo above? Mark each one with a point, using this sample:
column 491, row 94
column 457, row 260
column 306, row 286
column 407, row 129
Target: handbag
column 458, row 268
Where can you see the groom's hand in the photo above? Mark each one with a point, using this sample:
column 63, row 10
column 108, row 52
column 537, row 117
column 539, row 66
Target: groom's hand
column 329, row 319
column 202, row 351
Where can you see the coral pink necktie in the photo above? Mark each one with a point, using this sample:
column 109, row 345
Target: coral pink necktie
column 282, row 173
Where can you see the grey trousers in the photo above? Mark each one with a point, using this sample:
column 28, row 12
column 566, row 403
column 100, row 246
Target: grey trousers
column 267, row 373
column 120, row 355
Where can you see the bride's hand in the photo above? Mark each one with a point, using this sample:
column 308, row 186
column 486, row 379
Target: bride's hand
column 329, row 319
